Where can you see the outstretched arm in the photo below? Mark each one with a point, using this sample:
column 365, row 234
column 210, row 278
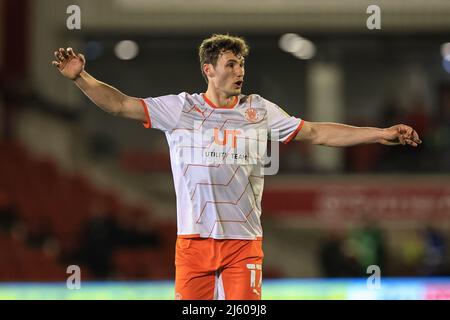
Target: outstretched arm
column 341, row 135
column 108, row 98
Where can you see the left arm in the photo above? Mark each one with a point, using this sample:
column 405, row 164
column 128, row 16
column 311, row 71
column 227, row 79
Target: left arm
column 341, row 135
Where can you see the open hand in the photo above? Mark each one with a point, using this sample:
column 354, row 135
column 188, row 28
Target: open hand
column 68, row 63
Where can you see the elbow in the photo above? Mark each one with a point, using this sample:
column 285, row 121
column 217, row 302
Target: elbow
column 317, row 134
column 118, row 109
column 319, row 141
column 112, row 111
column 115, row 113
column 315, row 137
column 327, row 142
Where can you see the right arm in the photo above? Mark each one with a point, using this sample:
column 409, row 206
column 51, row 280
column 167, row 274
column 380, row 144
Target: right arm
column 103, row 95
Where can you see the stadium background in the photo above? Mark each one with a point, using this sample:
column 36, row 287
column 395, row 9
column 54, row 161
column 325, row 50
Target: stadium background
column 80, row 187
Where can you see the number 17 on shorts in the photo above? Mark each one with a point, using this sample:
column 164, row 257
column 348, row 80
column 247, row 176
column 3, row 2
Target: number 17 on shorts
column 255, row 277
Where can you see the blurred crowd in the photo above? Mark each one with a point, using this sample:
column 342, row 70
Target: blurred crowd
column 349, row 253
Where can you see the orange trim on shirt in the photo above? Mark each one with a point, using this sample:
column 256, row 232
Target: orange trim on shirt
column 147, row 124
column 294, row 134
column 230, row 106
column 197, row 235
column 185, row 236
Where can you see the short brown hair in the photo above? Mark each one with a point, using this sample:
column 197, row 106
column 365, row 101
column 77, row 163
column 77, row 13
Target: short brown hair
column 211, row 48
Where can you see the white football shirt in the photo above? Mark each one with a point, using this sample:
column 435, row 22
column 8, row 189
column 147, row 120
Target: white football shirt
column 217, row 156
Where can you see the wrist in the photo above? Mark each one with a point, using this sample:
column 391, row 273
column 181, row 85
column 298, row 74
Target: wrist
column 381, row 135
column 79, row 76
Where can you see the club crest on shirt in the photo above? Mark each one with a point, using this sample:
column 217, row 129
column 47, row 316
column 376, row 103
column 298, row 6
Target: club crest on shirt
column 251, row 114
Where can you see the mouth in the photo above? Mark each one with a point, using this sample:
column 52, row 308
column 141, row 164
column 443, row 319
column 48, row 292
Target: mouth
column 239, row 83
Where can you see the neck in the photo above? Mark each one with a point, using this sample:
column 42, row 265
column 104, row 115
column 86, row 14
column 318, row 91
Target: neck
column 220, row 99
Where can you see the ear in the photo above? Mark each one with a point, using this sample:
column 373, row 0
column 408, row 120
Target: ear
column 208, row 69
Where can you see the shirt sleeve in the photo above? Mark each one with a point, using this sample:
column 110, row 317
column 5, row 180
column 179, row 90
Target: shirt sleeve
column 163, row 112
column 281, row 126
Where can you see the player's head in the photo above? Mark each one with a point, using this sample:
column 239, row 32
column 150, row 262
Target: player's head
column 222, row 62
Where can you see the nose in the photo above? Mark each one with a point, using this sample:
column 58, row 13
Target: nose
column 240, row 71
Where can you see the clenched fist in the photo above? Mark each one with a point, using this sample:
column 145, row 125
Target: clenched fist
column 68, row 63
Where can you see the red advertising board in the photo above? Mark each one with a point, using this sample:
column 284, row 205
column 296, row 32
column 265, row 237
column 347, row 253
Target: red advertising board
column 404, row 198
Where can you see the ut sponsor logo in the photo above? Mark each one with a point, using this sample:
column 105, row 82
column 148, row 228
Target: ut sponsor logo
column 216, row 145
column 224, row 140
